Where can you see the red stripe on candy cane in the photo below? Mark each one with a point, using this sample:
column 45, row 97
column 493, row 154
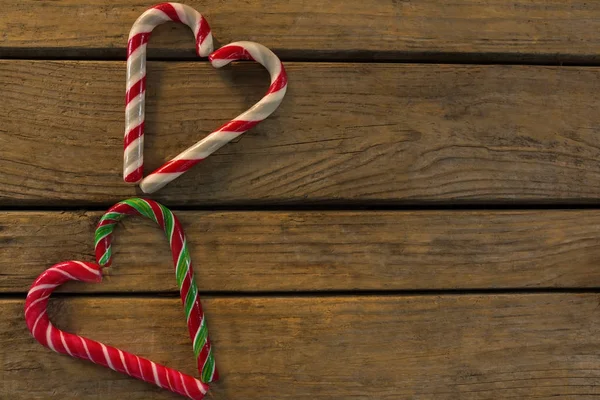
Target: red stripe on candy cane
column 168, row 9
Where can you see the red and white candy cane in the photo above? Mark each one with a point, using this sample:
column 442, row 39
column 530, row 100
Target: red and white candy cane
column 44, row 332
column 133, row 161
column 234, row 128
column 136, row 75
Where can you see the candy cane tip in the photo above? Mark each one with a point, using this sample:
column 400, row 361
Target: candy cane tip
column 133, row 178
column 131, row 175
column 219, row 62
column 151, row 186
column 206, row 47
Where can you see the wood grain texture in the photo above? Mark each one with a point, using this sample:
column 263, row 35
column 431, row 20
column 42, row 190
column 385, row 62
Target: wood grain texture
column 378, row 134
column 497, row 30
column 425, row 347
column 319, row 251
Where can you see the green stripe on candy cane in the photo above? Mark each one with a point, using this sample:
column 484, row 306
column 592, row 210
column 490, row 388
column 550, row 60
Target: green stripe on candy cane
column 168, row 219
column 183, row 264
column 183, row 270
column 200, row 338
column 143, row 208
column 209, row 367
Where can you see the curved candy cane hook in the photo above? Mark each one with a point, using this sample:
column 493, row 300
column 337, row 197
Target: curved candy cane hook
column 55, row 339
column 234, row 128
column 133, row 162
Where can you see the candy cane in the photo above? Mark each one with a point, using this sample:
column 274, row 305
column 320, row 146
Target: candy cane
column 133, row 163
column 53, row 338
column 183, row 269
column 243, row 122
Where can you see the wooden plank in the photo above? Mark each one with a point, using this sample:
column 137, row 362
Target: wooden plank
column 523, row 30
column 319, row 251
column 428, row 347
column 398, row 134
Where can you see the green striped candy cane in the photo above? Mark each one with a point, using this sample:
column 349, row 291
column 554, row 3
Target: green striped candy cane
column 183, row 270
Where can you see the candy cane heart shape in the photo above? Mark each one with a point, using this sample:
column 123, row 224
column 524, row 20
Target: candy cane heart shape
column 73, row 345
column 234, row 128
column 160, row 214
column 136, row 74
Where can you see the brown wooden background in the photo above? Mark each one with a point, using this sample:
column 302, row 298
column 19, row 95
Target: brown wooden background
column 417, row 221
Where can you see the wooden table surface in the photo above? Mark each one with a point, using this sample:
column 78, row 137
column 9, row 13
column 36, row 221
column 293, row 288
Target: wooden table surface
column 418, row 220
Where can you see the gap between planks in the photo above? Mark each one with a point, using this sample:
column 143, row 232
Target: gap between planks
column 434, row 59
column 320, row 294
